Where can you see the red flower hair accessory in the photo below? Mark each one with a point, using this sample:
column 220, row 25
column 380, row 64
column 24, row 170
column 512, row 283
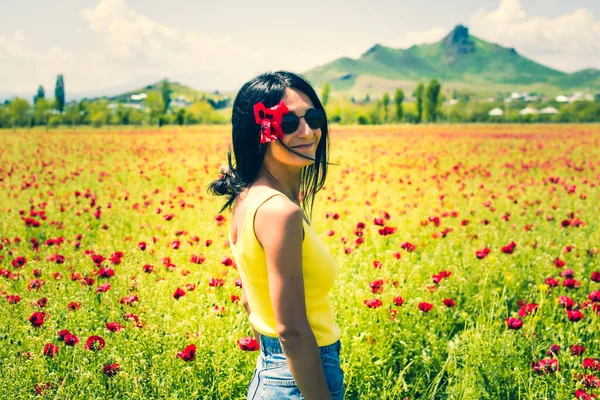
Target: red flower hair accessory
column 269, row 120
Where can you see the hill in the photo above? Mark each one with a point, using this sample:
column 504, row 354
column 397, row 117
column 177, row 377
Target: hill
column 460, row 60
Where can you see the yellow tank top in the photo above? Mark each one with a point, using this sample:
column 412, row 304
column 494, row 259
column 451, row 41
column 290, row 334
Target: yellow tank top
column 318, row 269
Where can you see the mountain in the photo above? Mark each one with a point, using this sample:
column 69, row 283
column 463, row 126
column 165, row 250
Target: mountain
column 177, row 89
column 460, row 61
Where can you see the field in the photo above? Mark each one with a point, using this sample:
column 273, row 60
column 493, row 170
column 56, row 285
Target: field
column 476, row 275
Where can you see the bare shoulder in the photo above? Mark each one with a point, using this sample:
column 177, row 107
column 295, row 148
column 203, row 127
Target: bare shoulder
column 278, row 218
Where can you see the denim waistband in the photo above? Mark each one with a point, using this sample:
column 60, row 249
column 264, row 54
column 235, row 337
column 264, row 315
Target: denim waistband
column 272, row 345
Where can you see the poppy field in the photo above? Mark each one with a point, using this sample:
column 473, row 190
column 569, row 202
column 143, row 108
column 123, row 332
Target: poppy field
column 468, row 263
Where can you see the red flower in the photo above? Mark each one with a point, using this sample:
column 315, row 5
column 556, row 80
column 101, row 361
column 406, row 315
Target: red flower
column 50, row 350
column 509, row 248
column 577, row 349
column 596, row 276
column 103, row 288
column 215, row 282
column 142, row 246
column 559, row 263
column 449, row 302
column 425, row 307
column 114, row 326
column 408, row 246
column 94, row 343
column 552, row 282
column 553, row 350
column 70, row 339
column 111, row 369
column 178, row 293
column 106, row 272
column 73, row 306
column 574, row 316
column 545, row 366
column 571, row 283
column 248, row 344
column 514, row 323
column 196, row 259
column 188, row 354
column 13, row 299
column 19, row 262
column 148, row 268
column 528, row 309
column 62, row 334
column 129, row 300
column 270, row 121
column 373, row 303
column 37, row 319
column 398, row 300
column 591, row 363
column 377, row 286
column 235, row 298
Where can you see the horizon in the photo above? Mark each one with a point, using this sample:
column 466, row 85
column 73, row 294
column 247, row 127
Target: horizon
column 123, row 45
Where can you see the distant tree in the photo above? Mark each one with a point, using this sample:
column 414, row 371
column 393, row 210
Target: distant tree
column 180, row 116
column 431, row 99
column 325, row 94
column 419, row 99
column 398, row 99
column 156, row 105
column 41, row 94
column 41, row 111
column 166, row 94
column 72, row 115
column 18, row 109
column 385, row 102
column 367, row 98
column 59, row 93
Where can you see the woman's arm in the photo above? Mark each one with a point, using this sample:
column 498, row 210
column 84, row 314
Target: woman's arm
column 278, row 227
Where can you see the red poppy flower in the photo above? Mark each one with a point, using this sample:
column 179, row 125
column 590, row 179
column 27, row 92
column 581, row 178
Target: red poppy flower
column 74, row 306
column 19, row 262
column 103, row 288
column 425, row 307
column 188, row 354
column 179, row 292
column 70, row 339
column 449, row 302
column 216, row 282
column 114, row 326
column 545, row 366
column 142, row 246
column 373, row 303
column 577, row 349
column 509, row 248
column 591, row 363
column 398, row 300
column 377, row 286
column 514, row 323
column 13, row 299
column 50, row 350
column 574, row 316
column 248, row 344
column 553, row 350
column 596, row 276
column 528, row 309
column 37, row 319
column 111, row 369
column 269, row 120
column 94, row 343
column 129, row 300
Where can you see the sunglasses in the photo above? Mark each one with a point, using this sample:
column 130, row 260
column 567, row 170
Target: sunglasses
column 314, row 117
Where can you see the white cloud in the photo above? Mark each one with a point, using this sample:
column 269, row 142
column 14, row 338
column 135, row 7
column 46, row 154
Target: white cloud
column 568, row 42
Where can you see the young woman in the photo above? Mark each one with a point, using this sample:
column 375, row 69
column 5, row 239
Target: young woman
column 280, row 141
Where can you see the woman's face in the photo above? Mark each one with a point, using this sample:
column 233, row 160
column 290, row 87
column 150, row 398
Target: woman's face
column 298, row 103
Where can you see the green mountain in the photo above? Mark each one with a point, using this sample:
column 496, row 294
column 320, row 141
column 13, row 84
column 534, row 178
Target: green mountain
column 460, row 61
column 177, row 89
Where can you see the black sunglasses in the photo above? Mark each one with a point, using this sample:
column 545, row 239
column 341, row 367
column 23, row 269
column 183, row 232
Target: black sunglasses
column 314, row 117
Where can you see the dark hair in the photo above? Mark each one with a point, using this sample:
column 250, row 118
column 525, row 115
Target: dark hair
column 269, row 88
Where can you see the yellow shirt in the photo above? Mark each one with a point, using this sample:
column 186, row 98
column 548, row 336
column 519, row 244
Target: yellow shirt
column 318, row 269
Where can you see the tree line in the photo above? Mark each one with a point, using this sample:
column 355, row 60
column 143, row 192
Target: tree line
column 428, row 106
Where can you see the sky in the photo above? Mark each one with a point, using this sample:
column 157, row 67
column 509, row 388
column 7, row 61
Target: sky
column 101, row 45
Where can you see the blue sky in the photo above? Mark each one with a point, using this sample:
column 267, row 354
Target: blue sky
column 212, row 45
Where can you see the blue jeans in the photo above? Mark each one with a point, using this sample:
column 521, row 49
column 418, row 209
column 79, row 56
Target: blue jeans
column 273, row 379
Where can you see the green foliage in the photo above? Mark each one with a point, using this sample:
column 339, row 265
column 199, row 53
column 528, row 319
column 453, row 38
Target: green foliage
column 419, row 100
column 398, row 99
column 41, row 94
column 156, row 105
column 166, row 91
column 42, row 111
column 431, row 99
column 385, row 102
column 325, row 94
column 17, row 110
column 59, row 93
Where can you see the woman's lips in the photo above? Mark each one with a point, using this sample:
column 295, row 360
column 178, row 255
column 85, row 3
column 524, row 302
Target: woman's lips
column 303, row 146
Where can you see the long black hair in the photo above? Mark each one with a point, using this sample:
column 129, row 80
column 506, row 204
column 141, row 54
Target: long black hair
column 268, row 87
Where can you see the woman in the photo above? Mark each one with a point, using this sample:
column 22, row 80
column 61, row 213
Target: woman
column 280, row 141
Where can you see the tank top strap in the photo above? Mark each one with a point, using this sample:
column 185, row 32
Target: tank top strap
column 251, row 211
